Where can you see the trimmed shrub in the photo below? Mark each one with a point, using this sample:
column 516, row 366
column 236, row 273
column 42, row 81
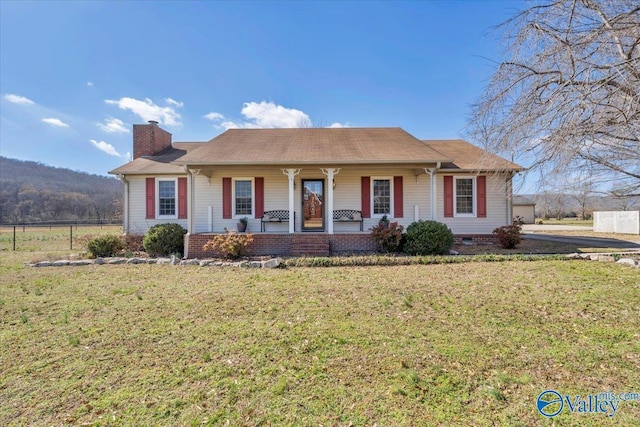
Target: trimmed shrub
column 428, row 238
column 105, row 246
column 229, row 245
column 164, row 239
column 388, row 237
column 509, row 236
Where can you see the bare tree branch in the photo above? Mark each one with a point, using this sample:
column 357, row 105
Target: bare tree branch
column 569, row 91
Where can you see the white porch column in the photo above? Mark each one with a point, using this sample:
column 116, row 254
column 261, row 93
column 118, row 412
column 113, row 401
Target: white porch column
column 432, row 190
column 330, row 172
column 291, row 173
column 191, row 203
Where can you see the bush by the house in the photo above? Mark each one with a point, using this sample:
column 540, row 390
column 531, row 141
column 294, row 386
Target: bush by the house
column 105, row 246
column 388, row 237
column 133, row 242
column 229, row 245
column 164, row 239
column 509, row 236
column 428, row 238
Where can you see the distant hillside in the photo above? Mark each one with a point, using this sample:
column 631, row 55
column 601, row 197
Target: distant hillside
column 31, row 191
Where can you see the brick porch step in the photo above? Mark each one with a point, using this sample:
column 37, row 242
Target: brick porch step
column 310, row 245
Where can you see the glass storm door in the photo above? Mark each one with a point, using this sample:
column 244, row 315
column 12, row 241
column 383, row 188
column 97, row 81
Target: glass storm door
column 313, row 204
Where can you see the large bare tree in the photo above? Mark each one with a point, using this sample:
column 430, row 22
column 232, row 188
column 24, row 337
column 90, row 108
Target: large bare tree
column 568, row 95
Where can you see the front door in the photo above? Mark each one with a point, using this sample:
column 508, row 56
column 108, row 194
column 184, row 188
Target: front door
column 313, row 204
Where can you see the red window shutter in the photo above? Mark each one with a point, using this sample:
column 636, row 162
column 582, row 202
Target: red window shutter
column 259, row 189
column 151, row 198
column 365, row 188
column 182, row 198
column 398, row 207
column 448, row 196
column 226, row 198
column 481, row 188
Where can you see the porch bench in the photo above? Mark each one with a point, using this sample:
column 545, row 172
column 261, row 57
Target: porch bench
column 348, row 215
column 274, row 216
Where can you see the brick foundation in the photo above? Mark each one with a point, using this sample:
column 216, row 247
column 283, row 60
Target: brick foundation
column 311, row 244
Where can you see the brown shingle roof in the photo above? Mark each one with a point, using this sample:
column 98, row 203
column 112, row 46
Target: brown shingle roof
column 468, row 157
column 313, row 146
column 160, row 163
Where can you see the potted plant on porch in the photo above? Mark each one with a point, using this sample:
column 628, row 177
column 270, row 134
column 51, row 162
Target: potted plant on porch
column 242, row 224
column 384, row 221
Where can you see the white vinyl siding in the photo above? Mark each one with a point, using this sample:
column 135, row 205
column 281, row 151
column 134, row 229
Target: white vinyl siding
column 138, row 222
column 497, row 215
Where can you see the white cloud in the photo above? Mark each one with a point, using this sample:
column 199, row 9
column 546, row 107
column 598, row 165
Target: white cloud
column 106, row 147
column 147, row 110
column 90, row 84
column 214, row 116
column 55, row 122
column 113, row 125
column 264, row 115
column 269, row 115
column 339, row 125
column 172, row 101
column 17, row 99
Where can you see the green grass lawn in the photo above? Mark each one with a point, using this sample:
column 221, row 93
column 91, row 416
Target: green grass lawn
column 453, row 344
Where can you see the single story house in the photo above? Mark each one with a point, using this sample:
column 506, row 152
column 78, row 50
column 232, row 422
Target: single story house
column 525, row 209
column 312, row 190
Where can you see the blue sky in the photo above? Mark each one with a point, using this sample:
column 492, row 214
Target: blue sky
column 76, row 75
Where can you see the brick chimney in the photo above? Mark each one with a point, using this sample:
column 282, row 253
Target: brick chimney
column 149, row 139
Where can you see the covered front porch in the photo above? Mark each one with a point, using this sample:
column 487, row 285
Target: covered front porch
column 314, row 199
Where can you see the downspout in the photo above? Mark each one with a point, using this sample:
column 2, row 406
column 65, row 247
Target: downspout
column 125, row 204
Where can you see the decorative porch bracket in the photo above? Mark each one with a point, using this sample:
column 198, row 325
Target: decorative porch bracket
column 291, row 173
column 330, row 172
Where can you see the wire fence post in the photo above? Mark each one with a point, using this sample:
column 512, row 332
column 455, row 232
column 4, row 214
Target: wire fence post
column 14, row 237
column 71, row 237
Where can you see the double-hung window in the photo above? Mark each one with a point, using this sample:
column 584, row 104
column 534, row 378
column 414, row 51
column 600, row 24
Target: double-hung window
column 381, row 196
column 464, row 196
column 167, row 196
column 243, row 197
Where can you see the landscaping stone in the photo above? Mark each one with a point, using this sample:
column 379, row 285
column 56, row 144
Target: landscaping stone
column 99, row 261
column 606, row 258
column 255, row 264
column 136, row 261
column 43, row 264
column 175, row 260
column 627, row 261
column 60, row 263
column 117, row 261
column 452, row 252
column 82, row 262
column 163, row 261
column 271, row 263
